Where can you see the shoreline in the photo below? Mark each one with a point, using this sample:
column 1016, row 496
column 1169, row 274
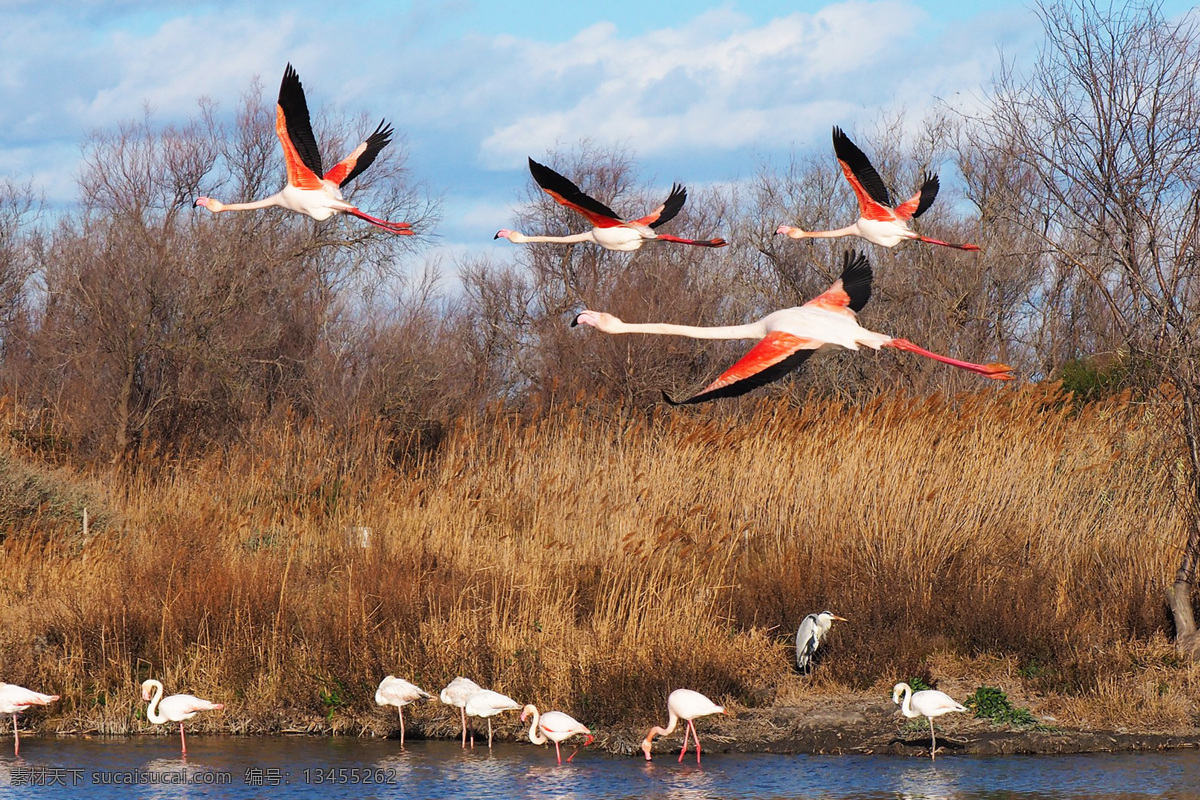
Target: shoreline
column 853, row 728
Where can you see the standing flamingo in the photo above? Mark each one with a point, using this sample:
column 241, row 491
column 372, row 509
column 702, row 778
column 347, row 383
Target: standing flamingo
column 682, row 704
column 398, row 692
column 609, row 231
column 488, row 704
column 175, row 708
column 554, row 726
column 789, row 337
column 307, row 190
column 879, row 222
column 457, row 693
column 926, row 703
column 15, row 699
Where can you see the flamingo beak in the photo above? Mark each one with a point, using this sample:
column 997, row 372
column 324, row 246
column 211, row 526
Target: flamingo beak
column 589, row 740
column 575, row 321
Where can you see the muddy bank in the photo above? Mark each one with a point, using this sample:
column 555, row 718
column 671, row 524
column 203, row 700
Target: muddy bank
column 877, row 727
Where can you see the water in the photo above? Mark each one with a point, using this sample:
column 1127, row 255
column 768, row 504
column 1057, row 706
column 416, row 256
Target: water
column 295, row 767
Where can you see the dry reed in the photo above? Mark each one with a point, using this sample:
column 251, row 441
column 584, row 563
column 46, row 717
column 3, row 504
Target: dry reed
column 592, row 562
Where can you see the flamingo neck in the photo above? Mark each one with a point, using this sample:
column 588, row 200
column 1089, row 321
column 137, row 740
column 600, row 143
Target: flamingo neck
column 535, row 733
column 520, row 238
column 266, row 202
column 906, row 705
column 152, row 710
column 849, row 230
column 753, row 330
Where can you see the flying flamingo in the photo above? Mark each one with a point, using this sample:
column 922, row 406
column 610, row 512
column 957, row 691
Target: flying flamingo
column 879, row 221
column 683, row 704
column 808, row 636
column 609, row 231
column 307, row 191
column 175, row 708
column 457, row 693
column 488, row 704
column 554, row 726
column 789, row 337
column 927, row 703
column 398, row 692
column 15, row 699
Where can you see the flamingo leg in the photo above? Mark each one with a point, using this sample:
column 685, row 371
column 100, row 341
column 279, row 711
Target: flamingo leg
column 685, row 741
column 398, row 228
column 972, row 247
column 401, row 710
column 182, row 740
column 16, row 737
column 558, row 753
column 489, row 733
column 695, row 736
column 573, row 752
column 1000, row 372
column 698, row 242
column 933, row 741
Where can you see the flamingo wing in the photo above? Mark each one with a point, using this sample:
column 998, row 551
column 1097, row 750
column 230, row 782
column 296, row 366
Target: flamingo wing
column 920, row 202
column 851, row 290
column 874, row 202
column 667, row 211
column 295, row 133
column 571, row 196
column 775, row 355
column 363, row 156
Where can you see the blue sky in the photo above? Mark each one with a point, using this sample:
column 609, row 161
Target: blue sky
column 701, row 92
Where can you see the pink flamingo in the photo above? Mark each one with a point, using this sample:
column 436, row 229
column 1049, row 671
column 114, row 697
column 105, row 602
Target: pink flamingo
column 175, row 708
column 879, row 222
column 789, row 337
column 554, row 726
column 307, row 191
column 457, row 693
column 609, row 231
column 15, row 699
column 927, row 703
column 687, row 705
column 398, row 692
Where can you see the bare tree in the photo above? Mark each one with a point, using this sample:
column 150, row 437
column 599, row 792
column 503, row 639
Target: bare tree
column 1103, row 170
column 160, row 323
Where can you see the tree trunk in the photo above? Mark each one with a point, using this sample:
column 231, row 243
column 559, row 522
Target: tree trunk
column 1179, row 598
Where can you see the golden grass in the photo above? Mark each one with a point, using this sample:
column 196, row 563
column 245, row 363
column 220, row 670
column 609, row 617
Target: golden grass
column 594, row 562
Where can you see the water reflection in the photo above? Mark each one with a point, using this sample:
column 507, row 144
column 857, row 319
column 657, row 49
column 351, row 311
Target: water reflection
column 926, row 782
column 285, row 767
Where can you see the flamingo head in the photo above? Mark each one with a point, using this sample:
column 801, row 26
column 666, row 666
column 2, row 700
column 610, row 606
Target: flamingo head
column 207, row 202
column 590, row 738
column 147, row 688
column 788, row 230
column 597, row 319
column 528, row 711
column 646, row 747
column 504, row 233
